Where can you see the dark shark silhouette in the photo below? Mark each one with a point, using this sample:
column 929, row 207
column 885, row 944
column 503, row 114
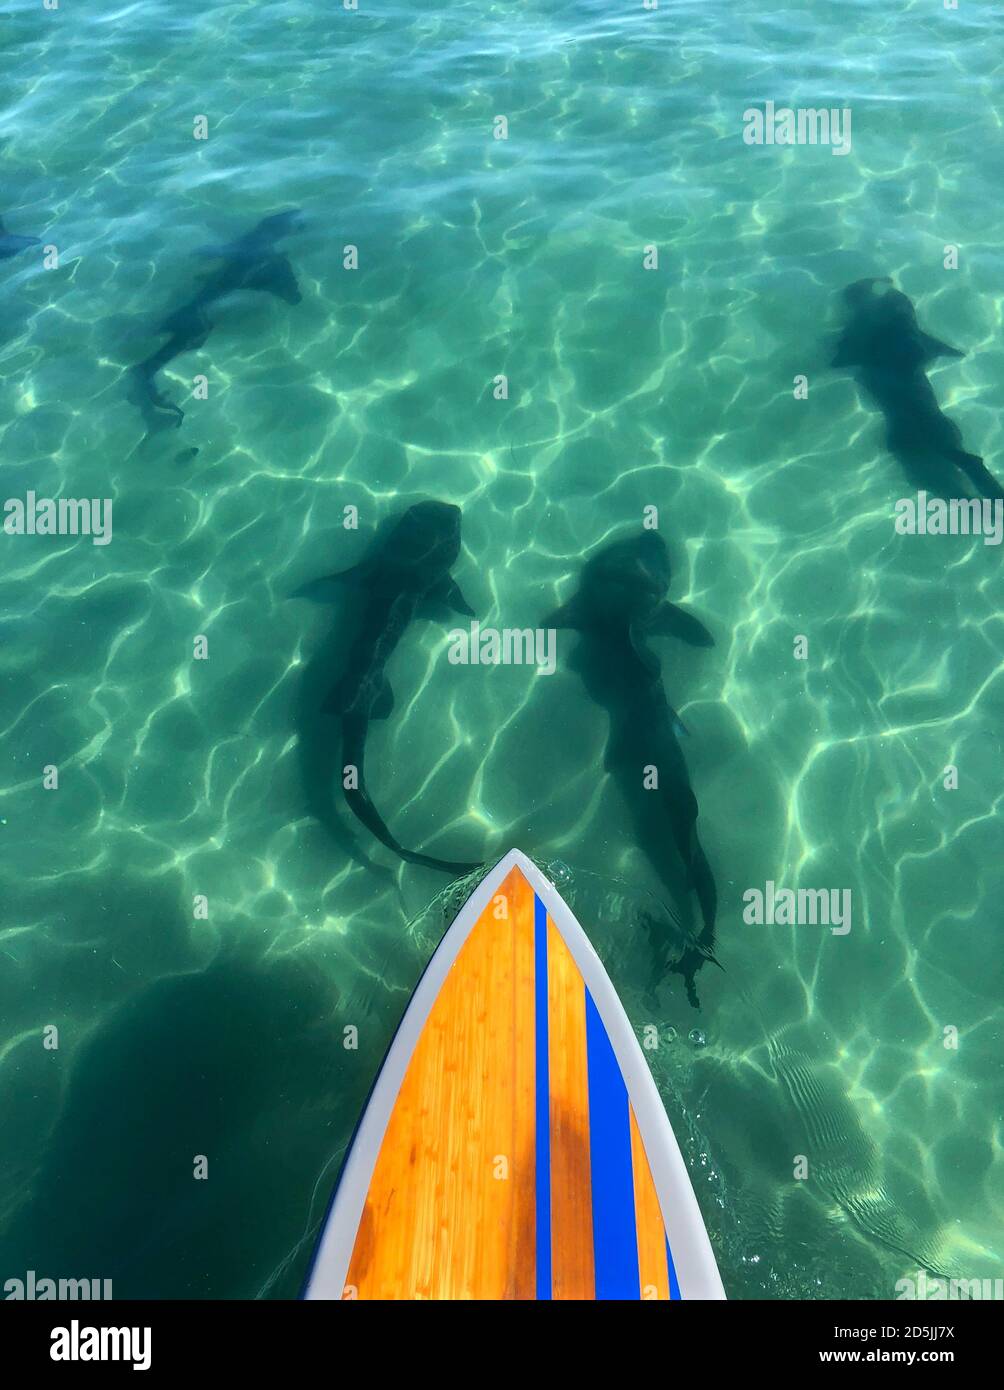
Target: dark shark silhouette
column 319, row 749
column 11, row 245
column 621, row 601
column 889, row 353
column 406, row 576
column 250, row 263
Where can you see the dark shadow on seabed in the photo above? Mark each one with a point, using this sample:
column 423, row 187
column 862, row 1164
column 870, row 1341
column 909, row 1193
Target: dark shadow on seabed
column 236, row 1063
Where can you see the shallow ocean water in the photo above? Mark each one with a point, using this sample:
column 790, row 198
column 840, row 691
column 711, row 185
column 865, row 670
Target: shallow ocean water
column 628, row 388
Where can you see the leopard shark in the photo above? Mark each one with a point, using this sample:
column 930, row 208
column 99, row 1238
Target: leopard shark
column 250, row 263
column 889, row 352
column 405, row 577
column 620, row 604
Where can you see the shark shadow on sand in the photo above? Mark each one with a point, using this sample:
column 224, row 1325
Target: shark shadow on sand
column 620, row 604
column 406, row 576
column 889, row 353
column 210, row 1063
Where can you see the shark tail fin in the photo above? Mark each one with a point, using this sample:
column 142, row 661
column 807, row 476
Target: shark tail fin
column 358, row 798
column 159, row 412
column 364, row 810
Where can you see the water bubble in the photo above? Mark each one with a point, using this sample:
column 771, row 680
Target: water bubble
column 559, row 873
column 698, row 1038
column 671, row 1034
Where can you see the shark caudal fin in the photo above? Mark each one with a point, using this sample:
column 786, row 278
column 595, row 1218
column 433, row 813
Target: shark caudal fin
column 159, row 413
column 359, row 803
column 363, row 809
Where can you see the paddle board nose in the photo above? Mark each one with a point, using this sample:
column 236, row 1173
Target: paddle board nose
column 515, row 1145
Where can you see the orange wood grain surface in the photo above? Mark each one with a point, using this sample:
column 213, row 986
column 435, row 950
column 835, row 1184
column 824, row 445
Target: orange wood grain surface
column 572, row 1269
column 450, row 1210
column 652, row 1267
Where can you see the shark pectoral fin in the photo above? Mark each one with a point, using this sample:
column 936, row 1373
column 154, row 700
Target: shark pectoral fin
column 383, row 705
column 445, row 595
column 671, row 621
column 849, row 350
column 934, row 347
column 11, row 245
column 569, row 615
column 275, row 276
column 328, row 589
column 285, row 286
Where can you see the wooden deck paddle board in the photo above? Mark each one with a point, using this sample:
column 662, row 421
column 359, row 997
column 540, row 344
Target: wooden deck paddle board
column 514, row 1144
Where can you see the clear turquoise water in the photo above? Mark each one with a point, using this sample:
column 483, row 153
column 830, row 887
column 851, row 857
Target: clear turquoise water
column 180, row 1037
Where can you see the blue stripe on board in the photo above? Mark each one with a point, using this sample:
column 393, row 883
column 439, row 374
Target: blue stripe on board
column 674, row 1283
column 615, row 1237
column 543, row 1102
